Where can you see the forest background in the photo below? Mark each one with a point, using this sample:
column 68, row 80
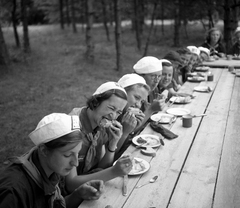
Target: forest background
column 55, row 53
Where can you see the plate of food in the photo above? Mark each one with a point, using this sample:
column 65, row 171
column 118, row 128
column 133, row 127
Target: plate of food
column 196, row 79
column 202, row 89
column 140, row 166
column 146, row 140
column 163, row 118
column 202, row 68
column 178, row 111
column 180, row 100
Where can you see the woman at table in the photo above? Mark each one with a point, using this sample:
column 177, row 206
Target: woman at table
column 166, row 80
column 32, row 179
column 214, row 43
column 150, row 68
column 101, row 133
column 204, row 54
column 132, row 117
column 235, row 50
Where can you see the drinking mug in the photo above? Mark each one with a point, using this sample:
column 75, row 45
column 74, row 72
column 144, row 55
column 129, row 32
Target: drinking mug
column 187, row 121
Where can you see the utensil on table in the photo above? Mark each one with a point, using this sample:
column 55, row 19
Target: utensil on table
column 152, row 180
column 194, row 116
column 124, row 188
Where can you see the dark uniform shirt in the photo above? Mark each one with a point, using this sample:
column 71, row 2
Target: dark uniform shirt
column 19, row 190
column 93, row 142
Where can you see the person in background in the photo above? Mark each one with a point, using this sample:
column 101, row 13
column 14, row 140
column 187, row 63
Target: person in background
column 186, row 56
column 150, row 68
column 235, row 50
column 204, row 54
column 32, row 179
column 195, row 58
column 177, row 63
column 166, row 80
column 101, row 133
column 214, row 43
column 132, row 117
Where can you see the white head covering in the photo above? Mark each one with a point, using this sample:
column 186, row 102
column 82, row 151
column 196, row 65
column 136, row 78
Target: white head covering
column 131, row 79
column 165, row 60
column 147, row 65
column 206, row 50
column 108, row 86
column 54, row 126
column 194, row 50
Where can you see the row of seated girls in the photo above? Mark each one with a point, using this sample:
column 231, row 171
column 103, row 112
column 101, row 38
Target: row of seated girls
column 77, row 151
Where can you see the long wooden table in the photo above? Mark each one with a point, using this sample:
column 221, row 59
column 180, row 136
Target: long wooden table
column 200, row 168
column 223, row 63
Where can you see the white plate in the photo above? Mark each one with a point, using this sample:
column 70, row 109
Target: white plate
column 201, row 89
column 202, row 68
column 178, row 111
column 163, row 118
column 151, row 140
column 195, row 79
column 180, row 100
column 140, row 166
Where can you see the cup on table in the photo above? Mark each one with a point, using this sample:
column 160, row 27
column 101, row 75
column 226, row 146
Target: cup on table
column 210, row 77
column 187, row 121
column 229, row 57
column 231, row 68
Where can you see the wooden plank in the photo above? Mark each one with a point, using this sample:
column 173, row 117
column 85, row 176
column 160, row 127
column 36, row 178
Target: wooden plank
column 195, row 187
column 228, row 183
column 223, row 63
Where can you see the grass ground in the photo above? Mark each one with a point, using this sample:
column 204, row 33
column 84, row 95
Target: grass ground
column 55, row 77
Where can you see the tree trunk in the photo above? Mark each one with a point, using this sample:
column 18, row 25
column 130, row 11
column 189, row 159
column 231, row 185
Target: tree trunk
column 4, row 57
column 26, row 43
column 67, row 13
column 151, row 27
column 73, row 17
column 177, row 24
column 118, row 34
column 14, row 22
column 137, row 24
column 61, row 14
column 162, row 17
column 230, row 22
column 105, row 19
column 89, row 37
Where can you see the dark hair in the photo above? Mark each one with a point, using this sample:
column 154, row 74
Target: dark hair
column 164, row 63
column 184, row 51
column 208, row 38
column 94, row 101
column 75, row 136
column 138, row 85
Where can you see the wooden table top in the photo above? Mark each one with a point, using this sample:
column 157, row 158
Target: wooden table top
column 198, row 169
column 222, row 63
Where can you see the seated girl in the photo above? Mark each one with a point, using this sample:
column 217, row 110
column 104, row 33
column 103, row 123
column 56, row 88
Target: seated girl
column 101, row 133
column 235, row 50
column 214, row 43
column 32, row 179
column 166, row 80
column 132, row 117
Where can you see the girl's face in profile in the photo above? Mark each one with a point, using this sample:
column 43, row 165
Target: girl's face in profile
column 136, row 96
column 109, row 109
column 167, row 75
column 215, row 36
column 63, row 159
